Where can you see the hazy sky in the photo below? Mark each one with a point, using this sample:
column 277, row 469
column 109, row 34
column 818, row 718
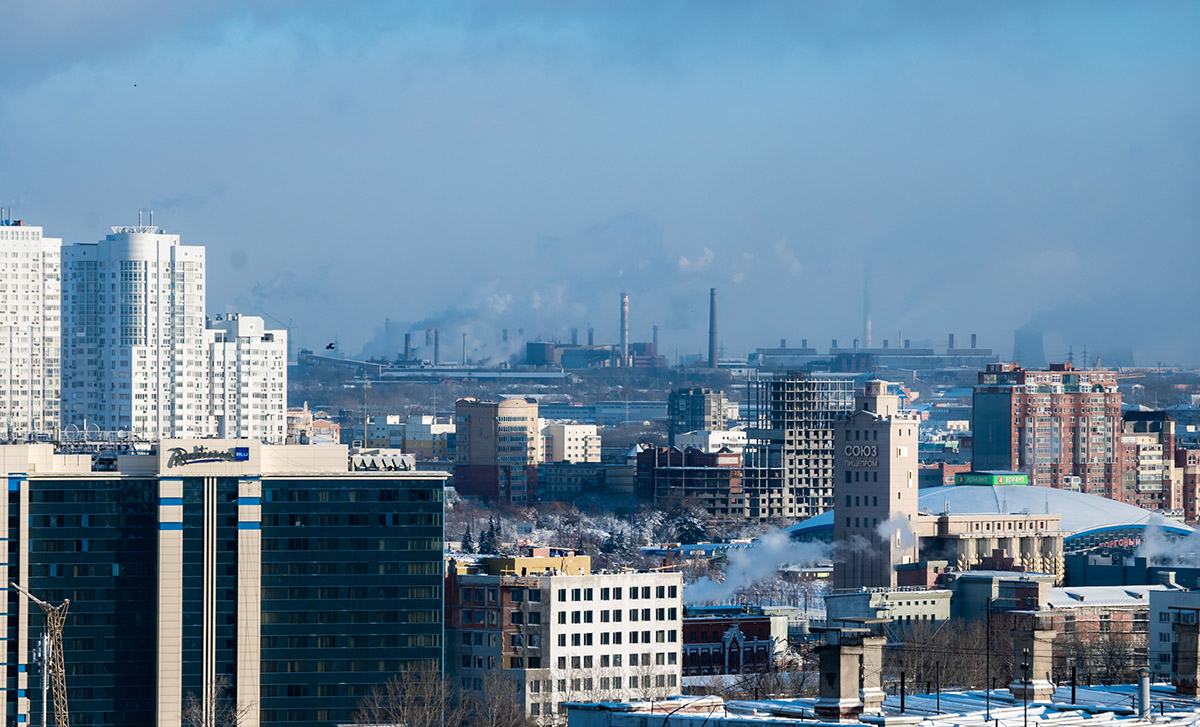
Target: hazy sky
column 508, row 164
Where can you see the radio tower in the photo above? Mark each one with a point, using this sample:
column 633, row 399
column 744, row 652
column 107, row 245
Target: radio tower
column 56, row 616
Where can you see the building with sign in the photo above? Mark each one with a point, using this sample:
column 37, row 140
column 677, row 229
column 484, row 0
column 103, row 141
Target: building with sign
column 30, row 339
column 875, row 490
column 288, row 580
column 1061, row 426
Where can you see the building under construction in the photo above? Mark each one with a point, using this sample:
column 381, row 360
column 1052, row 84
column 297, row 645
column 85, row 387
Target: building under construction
column 789, row 453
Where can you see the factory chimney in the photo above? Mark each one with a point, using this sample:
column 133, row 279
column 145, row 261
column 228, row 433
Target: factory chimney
column 654, row 343
column 436, row 346
column 575, row 336
column 591, row 336
column 464, row 349
column 951, row 346
column 712, row 328
column 972, row 340
column 624, row 329
column 407, row 346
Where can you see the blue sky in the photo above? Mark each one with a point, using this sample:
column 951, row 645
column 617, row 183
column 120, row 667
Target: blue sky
column 482, row 165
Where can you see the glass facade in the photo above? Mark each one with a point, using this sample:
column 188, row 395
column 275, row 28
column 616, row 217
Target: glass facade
column 92, row 541
column 351, row 588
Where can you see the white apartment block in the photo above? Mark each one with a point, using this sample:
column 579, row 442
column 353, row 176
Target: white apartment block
column 30, row 340
column 133, row 336
column 563, row 442
column 563, row 633
column 138, row 357
column 247, row 379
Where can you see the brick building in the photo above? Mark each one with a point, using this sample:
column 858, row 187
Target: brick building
column 732, row 639
column 1061, row 425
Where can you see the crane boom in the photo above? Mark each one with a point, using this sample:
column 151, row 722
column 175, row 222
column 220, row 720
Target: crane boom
column 56, row 618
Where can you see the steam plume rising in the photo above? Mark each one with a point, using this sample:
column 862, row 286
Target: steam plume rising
column 758, row 562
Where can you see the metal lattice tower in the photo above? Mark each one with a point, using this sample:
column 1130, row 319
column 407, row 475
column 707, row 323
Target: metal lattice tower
column 56, row 617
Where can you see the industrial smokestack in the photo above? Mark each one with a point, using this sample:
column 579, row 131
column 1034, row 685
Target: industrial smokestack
column 575, row 336
column 624, row 329
column 654, row 342
column 972, row 340
column 712, row 328
column 428, row 336
column 951, row 341
column 591, row 336
column 464, row 349
column 437, row 343
column 407, row 346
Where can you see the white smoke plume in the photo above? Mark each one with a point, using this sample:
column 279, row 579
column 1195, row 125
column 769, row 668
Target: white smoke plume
column 898, row 530
column 754, row 564
column 1161, row 548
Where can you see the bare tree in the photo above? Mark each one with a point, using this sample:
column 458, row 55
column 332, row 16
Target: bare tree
column 219, row 709
column 498, row 704
column 418, row 696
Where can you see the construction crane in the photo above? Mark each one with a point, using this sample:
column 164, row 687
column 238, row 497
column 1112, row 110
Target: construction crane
column 56, row 616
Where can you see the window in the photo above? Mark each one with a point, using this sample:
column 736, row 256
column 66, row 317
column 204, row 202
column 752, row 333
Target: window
column 605, row 593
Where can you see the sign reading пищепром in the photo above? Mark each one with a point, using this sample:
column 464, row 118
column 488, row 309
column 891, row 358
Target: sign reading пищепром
column 180, row 456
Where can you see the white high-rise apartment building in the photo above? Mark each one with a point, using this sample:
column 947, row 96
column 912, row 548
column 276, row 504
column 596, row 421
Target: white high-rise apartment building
column 29, row 331
column 133, row 336
column 247, row 379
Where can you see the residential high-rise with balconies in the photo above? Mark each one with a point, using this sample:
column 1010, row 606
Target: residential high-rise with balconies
column 247, row 379
column 1062, row 426
column 30, row 339
column 133, row 335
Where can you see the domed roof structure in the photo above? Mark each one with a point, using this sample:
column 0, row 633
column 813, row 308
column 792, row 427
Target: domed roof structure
column 1088, row 520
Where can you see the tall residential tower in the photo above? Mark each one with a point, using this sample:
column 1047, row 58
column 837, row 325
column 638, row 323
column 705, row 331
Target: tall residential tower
column 29, row 331
column 133, row 333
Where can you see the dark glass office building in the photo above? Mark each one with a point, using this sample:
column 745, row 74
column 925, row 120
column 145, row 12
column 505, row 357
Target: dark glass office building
column 283, row 583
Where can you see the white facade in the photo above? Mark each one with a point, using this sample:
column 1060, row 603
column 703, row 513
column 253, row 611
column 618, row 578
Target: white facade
column 563, row 442
column 137, row 357
column 30, row 339
column 564, row 638
column 713, row 440
column 133, row 335
column 247, row 379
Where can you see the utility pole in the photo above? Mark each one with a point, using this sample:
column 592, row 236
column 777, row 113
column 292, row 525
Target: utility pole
column 56, row 616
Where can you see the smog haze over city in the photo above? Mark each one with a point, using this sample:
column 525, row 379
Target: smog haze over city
column 477, row 166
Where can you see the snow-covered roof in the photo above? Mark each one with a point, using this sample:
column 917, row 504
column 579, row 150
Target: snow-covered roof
column 1081, row 513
